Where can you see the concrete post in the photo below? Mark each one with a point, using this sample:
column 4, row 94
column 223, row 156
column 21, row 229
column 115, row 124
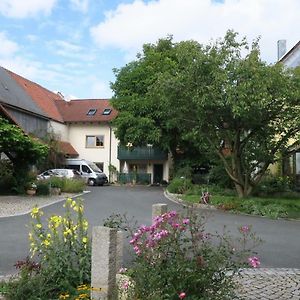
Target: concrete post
column 119, row 258
column 104, row 253
column 159, row 209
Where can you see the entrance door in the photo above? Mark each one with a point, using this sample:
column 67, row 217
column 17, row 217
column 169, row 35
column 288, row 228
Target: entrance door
column 157, row 173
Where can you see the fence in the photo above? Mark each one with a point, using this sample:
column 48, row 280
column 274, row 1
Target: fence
column 141, row 178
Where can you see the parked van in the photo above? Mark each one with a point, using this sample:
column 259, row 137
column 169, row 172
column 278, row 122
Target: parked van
column 88, row 170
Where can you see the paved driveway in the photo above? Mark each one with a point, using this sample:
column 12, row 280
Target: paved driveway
column 282, row 238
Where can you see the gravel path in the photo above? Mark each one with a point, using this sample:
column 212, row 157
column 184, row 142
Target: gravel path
column 21, row 205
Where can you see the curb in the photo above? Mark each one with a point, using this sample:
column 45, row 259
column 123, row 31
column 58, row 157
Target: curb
column 44, row 205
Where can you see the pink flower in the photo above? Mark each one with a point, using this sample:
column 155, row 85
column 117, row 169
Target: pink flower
column 123, row 270
column 254, row 261
column 186, row 221
column 182, row 295
column 244, row 229
column 125, row 285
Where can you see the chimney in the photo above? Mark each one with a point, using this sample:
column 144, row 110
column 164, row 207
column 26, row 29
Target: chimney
column 281, row 48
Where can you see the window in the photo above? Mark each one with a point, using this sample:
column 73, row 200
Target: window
column 100, row 165
column 92, row 111
column 94, row 141
column 85, row 169
column 106, row 111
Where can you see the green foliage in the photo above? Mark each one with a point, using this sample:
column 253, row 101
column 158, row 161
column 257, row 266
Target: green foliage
column 7, row 180
column 180, row 185
column 64, row 253
column 244, row 111
column 287, row 206
column 43, row 188
column 177, row 255
column 67, row 185
column 272, row 185
column 21, row 149
column 56, row 182
column 73, row 185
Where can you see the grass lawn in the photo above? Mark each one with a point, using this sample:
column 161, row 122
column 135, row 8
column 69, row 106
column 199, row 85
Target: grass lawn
column 275, row 207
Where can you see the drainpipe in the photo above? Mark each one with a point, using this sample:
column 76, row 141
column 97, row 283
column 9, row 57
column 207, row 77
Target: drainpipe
column 109, row 159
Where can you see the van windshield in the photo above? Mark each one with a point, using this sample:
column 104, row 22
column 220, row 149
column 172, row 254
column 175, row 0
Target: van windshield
column 94, row 167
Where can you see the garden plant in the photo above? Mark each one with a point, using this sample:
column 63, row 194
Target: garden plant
column 60, row 259
column 176, row 258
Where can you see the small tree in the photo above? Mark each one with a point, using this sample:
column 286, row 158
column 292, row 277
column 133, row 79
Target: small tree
column 21, row 149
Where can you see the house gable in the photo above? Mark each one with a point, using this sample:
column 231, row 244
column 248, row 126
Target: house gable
column 292, row 58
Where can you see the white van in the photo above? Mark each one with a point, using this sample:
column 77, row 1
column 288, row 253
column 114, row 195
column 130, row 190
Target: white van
column 88, row 170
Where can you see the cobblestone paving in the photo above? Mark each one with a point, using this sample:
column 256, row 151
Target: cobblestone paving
column 269, row 284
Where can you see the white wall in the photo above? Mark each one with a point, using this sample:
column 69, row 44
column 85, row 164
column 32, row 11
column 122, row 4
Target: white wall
column 77, row 137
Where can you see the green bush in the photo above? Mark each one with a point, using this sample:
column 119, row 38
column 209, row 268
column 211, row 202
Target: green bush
column 271, row 185
column 7, row 180
column 63, row 250
column 176, row 258
column 56, row 182
column 73, row 186
column 42, row 188
column 218, row 176
column 180, row 185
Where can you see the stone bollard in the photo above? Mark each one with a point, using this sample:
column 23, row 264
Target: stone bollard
column 159, row 209
column 104, row 254
column 119, row 258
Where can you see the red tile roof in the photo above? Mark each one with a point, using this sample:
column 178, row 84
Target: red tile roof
column 76, row 110
column 43, row 98
column 67, row 149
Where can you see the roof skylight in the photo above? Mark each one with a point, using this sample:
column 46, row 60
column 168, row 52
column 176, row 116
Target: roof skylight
column 92, row 112
column 106, row 111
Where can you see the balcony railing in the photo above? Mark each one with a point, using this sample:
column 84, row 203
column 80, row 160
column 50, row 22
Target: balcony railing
column 141, row 153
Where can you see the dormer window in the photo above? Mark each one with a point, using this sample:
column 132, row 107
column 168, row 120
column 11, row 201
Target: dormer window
column 91, row 112
column 106, row 111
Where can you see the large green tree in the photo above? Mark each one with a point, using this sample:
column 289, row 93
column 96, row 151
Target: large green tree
column 147, row 115
column 20, row 148
column 224, row 94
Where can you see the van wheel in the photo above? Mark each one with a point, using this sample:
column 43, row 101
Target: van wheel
column 91, row 182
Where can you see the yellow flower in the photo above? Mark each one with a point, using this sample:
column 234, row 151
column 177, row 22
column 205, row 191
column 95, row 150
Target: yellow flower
column 68, row 231
column 84, row 239
column 30, row 236
column 36, row 212
column 85, row 224
column 46, row 243
column 64, row 296
column 39, row 226
column 82, row 287
column 55, row 221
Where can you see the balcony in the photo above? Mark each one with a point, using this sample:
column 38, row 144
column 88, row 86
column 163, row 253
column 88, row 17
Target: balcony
column 141, row 153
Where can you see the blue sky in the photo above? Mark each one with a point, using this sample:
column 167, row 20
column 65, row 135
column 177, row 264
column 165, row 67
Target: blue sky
column 72, row 46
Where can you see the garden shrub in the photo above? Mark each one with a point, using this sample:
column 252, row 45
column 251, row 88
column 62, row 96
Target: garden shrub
column 63, row 250
column 175, row 258
column 73, row 185
column 42, row 188
column 271, row 185
column 179, row 185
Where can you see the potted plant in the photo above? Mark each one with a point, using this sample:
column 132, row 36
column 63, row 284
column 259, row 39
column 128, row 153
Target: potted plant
column 31, row 188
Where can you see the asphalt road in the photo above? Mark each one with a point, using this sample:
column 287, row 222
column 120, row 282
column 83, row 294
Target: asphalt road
column 281, row 247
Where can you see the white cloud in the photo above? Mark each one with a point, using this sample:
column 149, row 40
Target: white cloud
column 8, row 47
column 131, row 25
column 24, row 9
column 99, row 89
column 70, row 50
column 32, row 38
column 81, row 5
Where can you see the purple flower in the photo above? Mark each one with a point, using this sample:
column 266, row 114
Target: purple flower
column 254, row 261
column 186, row 221
column 244, row 229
